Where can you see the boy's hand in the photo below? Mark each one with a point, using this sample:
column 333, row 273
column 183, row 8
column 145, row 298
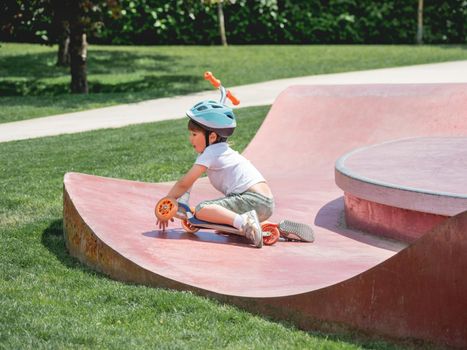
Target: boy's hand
column 163, row 224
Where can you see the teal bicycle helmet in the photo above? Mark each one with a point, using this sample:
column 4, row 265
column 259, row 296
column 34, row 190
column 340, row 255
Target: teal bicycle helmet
column 214, row 116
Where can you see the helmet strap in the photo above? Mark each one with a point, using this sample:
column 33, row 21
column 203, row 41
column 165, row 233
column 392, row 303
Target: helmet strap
column 206, row 137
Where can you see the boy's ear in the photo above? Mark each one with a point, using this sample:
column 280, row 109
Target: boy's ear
column 212, row 137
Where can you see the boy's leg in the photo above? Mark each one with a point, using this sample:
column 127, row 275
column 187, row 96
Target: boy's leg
column 250, row 228
column 239, row 204
column 216, row 214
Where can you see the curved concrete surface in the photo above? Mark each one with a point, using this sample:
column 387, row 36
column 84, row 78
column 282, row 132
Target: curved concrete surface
column 120, row 215
column 404, row 188
column 345, row 279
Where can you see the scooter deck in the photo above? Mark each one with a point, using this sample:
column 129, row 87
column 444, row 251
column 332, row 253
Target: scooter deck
column 289, row 230
column 218, row 227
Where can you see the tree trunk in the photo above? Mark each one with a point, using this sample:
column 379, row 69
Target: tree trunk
column 420, row 22
column 78, row 55
column 220, row 15
column 63, row 55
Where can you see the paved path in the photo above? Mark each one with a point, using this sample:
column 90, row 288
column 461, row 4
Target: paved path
column 250, row 95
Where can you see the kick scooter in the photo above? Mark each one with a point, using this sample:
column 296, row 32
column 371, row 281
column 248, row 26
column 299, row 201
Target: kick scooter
column 168, row 208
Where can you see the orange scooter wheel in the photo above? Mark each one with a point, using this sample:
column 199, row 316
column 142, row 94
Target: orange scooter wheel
column 273, row 232
column 188, row 227
column 166, row 208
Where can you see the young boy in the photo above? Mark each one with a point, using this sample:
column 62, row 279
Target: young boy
column 248, row 199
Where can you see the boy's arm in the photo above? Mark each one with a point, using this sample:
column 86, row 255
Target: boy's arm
column 181, row 186
column 186, row 181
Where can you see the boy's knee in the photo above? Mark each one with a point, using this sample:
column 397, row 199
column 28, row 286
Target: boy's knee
column 265, row 211
column 263, row 215
column 200, row 206
column 203, row 207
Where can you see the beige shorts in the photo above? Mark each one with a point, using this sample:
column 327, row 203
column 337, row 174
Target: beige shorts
column 243, row 202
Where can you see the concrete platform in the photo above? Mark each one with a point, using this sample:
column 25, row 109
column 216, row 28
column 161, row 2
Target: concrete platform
column 345, row 280
column 404, row 188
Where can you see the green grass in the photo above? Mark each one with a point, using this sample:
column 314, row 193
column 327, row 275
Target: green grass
column 50, row 300
column 32, row 86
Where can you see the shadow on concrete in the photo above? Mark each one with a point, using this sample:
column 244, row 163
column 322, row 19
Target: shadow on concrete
column 335, row 209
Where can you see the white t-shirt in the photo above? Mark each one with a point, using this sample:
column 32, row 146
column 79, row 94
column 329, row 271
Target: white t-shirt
column 228, row 171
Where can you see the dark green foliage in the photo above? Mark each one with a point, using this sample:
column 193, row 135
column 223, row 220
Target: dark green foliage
column 447, row 21
column 286, row 21
column 255, row 22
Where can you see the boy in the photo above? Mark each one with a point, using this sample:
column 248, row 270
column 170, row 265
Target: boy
column 248, row 198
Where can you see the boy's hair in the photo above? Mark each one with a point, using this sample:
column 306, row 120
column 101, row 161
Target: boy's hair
column 194, row 126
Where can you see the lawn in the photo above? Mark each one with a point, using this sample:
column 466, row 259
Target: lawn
column 32, row 86
column 50, row 300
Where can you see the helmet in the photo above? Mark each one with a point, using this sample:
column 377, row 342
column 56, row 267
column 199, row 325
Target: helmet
column 213, row 116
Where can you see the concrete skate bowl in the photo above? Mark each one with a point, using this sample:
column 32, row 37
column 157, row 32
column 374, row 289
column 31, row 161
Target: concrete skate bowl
column 347, row 280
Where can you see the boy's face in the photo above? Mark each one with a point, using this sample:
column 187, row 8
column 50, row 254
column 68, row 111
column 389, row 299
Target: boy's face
column 197, row 140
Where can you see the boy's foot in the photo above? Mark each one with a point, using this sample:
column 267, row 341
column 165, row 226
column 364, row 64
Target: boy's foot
column 252, row 229
column 295, row 231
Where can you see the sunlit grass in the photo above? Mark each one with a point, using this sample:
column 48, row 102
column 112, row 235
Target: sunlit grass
column 32, row 86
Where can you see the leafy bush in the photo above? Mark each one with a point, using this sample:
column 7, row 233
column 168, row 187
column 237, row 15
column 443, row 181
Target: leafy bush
column 272, row 22
column 286, row 22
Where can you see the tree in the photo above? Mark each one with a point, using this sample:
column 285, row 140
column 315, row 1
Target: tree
column 26, row 20
column 64, row 21
column 76, row 18
column 220, row 17
column 420, row 22
column 63, row 54
column 61, row 29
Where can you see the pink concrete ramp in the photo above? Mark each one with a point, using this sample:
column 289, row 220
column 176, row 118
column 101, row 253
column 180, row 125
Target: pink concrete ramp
column 344, row 280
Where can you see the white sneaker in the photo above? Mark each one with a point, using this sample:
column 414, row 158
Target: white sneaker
column 252, row 229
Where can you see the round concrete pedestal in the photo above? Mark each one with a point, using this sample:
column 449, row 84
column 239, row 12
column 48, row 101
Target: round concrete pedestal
column 404, row 188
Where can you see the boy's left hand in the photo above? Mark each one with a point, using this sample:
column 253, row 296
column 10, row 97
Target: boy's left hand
column 163, row 224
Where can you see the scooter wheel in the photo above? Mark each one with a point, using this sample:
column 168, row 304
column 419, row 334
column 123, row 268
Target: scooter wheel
column 188, row 227
column 166, row 208
column 273, row 233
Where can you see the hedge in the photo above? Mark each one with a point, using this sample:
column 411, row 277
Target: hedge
column 281, row 22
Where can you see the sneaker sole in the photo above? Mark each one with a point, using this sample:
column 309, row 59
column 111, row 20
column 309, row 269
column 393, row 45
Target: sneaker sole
column 296, row 231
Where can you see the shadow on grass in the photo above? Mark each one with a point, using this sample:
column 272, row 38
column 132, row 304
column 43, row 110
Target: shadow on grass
column 158, row 86
column 25, row 74
column 54, row 241
column 122, row 61
column 42, row 65
column 451, row 46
